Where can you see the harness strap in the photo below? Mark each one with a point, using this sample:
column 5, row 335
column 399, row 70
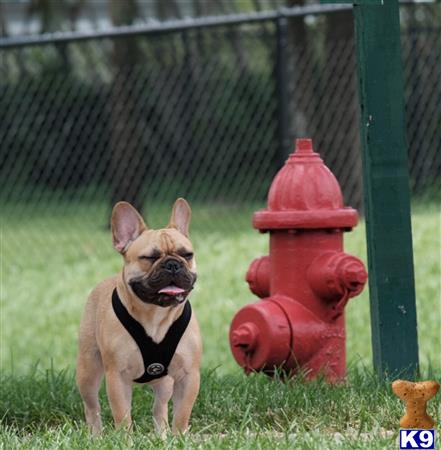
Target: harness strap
column 156, row 357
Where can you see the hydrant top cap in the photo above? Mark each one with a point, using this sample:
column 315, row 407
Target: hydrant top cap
column 305, row 154
column 305, row 194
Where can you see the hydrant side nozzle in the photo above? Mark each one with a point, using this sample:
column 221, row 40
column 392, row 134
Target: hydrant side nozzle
column 260, row 335
column 258, row 276
column 335, row 276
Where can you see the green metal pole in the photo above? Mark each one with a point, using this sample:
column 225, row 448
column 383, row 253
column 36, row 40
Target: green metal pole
column 386, row 186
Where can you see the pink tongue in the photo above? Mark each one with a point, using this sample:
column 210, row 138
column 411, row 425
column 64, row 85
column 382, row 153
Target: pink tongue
column 172, row 290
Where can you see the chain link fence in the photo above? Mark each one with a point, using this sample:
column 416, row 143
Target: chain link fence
column 207, row 113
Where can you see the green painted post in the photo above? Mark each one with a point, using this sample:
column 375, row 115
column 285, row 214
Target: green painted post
column 386, row 183
column 386, row 186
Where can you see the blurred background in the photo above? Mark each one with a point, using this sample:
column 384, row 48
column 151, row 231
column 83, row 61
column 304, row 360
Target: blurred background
column 199, row 99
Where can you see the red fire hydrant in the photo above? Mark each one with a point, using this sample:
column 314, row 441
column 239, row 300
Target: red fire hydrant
column 306, row 280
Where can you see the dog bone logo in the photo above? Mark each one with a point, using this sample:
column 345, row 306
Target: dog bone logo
column 415, row 396
column 155, row 369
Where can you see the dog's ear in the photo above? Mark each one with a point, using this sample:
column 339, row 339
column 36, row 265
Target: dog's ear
column 127, row 225
column 180, row 216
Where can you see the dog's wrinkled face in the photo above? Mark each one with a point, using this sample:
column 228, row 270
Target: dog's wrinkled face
column 159, row 265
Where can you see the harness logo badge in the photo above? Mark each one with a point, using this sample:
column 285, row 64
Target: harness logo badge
column 155, row 369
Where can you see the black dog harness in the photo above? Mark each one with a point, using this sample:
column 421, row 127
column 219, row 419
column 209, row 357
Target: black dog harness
column 156, row 357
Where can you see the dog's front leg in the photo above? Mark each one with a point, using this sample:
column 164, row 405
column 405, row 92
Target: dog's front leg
column 119, row 392
column 163, row 390
column 185, row 392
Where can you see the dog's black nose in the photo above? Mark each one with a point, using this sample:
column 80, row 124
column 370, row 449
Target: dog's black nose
column 172, row 266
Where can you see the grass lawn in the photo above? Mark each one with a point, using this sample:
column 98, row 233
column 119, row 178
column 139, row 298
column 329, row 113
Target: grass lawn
column 52, row 259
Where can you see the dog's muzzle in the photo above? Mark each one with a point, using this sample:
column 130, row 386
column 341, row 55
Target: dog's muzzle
column 168, row 285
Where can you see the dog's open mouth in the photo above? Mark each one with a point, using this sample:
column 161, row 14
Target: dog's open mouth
column 163, row 290
column 174, row 292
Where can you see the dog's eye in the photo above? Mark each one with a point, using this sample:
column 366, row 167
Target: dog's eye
column 151, row 259
column 188, row 256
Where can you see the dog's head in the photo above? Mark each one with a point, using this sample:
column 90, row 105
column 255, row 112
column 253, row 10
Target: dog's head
column 159, row 265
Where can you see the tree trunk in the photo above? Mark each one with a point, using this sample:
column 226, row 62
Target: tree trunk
column 125, row 174
column 338, row 134
column 299, row 53
column 3, row 26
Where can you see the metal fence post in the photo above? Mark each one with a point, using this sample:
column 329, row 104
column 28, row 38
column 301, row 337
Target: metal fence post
column 386, row 184
column 283, row 121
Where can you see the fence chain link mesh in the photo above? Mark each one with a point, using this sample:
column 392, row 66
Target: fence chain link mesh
column 193, row 113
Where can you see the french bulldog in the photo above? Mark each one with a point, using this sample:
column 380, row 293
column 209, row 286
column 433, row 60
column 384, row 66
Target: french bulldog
column 151, row 293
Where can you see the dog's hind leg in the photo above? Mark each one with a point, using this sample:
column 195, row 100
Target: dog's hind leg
column 89, row 376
